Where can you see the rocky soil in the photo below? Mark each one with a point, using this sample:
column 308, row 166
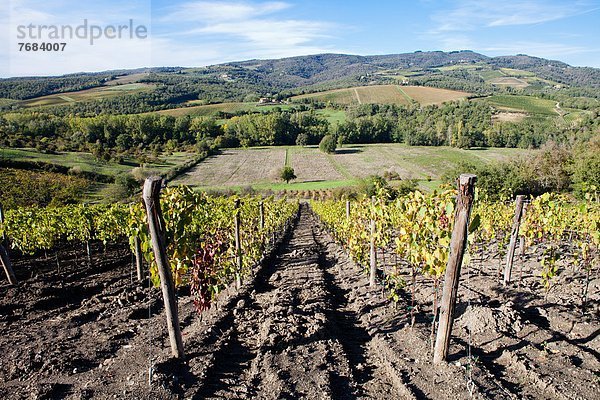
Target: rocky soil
column 307, row 325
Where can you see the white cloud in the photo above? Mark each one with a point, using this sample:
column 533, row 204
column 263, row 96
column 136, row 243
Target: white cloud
column 217, row 11
column 538, row 49
column 194, row 33
column 473, row 14
column 461, row 26
column 78, row 54
column 238, row 30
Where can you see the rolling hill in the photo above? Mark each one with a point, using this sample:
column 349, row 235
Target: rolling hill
column 246, row 81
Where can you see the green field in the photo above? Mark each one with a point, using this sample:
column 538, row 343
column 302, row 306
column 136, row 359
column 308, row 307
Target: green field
column 96, row 93
column 88, row 163
column 457, row 67
column 258, row 167
column 208, row 110
column 332, row 116
column 527, row 104
column 386, row 94
column 490, row 74
column 7, row 102
column 338, row 96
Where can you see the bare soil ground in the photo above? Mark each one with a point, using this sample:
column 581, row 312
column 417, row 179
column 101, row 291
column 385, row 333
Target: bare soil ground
column 387, row 94
column 306, row 326
column 384, row 94
column 260, row 165
column 428, row 95
column 312, row 165
column 236, row 168
column 508, row 117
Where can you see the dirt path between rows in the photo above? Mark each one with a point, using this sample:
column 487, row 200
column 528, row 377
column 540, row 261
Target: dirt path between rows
column 295, row 334
column 306, row 326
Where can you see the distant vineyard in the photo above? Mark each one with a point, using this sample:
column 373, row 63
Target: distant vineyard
column 386, row 94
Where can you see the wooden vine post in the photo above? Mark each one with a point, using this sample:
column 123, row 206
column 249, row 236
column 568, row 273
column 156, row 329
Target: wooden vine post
column 139, row 260
column 347, row 209
column 4, row 238
column 7, row 265
column 238, row 246
column 4, row 257
column 373, row 250
column 156, row 226
column 458, row 244
column 514, row 235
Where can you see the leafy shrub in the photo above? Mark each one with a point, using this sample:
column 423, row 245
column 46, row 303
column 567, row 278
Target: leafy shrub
column 287, row 173
column 328, row 144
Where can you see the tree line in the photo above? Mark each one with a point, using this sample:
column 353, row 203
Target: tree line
column 457, row 124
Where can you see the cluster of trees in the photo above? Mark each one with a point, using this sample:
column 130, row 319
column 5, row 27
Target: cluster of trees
column 454, row 124
column 98, row 134
column 555, row 168
column 106, row 135
column 27, row 88
column 457, row 124
column 276, row 128
column 464, row 125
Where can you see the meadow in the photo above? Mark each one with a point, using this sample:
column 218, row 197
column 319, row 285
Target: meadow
column 88, row 163
column 527, row 104
column 100, row 92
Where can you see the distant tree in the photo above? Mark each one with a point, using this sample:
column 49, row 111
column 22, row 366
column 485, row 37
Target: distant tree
column 328, row 144
column 302, row 139
column 287, row 174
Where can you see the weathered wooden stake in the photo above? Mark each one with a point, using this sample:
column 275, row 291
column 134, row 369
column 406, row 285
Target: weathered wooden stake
column 8, row 270
column 156, row 226
column 261, row 208
column 373, row 250
column 348, row 209
column 3, row 238
column 458, row 244
column 238, row 246
column 514, row 234
column 139, row 259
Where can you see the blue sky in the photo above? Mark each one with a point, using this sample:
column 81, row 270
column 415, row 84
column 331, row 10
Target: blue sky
column 197, row 33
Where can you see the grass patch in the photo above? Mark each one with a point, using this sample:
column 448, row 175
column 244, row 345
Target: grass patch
column 490, row 74
column 209, row 110
column 403, row 93
column 87, row 162
column 97, row 93
column 458, row 67
column 528, row 104
column 332, row 116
